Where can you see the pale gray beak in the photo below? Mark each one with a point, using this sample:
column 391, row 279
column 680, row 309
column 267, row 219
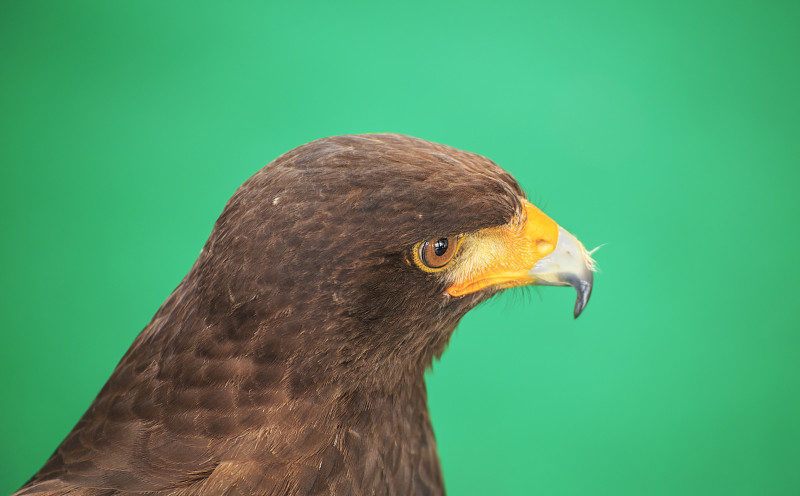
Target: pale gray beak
column 568, row 265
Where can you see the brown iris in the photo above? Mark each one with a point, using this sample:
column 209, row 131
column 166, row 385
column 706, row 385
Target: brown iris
column 435, row 253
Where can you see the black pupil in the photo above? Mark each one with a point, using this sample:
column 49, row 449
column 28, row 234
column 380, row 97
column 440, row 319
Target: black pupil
column 440, row 247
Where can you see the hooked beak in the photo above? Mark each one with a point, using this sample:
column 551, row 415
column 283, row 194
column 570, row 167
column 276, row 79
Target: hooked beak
column 568, row 265
column 536, row 251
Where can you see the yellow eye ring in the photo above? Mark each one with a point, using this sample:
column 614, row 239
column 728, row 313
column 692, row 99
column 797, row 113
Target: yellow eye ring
column 434, row 254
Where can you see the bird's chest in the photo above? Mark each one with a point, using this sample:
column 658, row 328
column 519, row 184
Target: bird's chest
column 388, row 458
column 382, row 448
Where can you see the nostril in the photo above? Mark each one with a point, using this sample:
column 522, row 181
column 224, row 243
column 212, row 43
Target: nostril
column 544, row 246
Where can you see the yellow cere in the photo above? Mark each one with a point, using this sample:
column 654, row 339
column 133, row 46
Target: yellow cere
column 502, row 256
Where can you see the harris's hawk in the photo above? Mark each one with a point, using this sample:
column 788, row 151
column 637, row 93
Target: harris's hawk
column 290, row 359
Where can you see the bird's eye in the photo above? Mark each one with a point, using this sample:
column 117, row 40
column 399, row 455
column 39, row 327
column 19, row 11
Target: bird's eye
column 435, row 253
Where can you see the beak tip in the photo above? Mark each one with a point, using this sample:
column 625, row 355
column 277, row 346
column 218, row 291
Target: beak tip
column 578, row 308
column 584, row 289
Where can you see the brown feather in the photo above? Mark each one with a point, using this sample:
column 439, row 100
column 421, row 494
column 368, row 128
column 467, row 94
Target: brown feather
column 290, row 359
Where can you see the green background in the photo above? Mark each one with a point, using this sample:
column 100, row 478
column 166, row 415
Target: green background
column 668, row 130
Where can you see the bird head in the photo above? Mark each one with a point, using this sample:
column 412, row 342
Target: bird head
column 292, row 354
column 368, row 250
